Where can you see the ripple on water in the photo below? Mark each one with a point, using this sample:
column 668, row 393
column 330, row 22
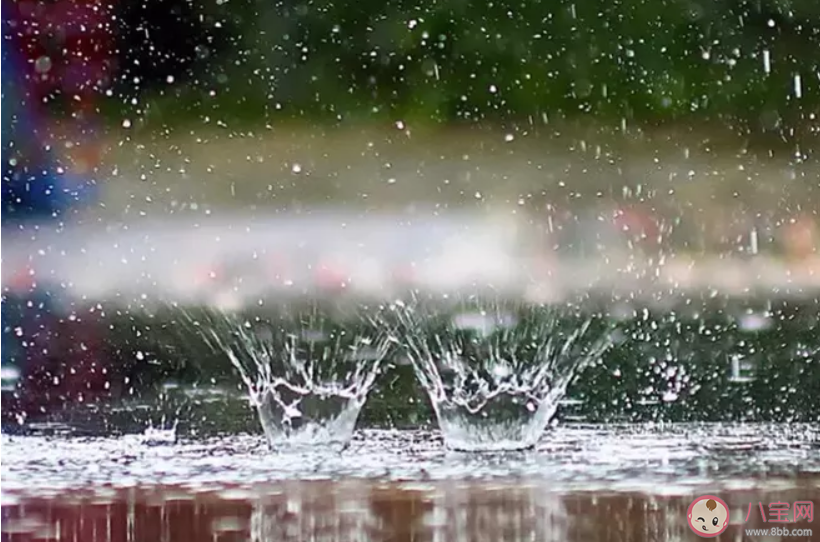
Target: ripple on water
column 660, row 458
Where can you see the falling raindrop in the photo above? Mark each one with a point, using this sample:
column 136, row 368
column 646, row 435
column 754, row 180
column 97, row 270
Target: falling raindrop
column 798, row 86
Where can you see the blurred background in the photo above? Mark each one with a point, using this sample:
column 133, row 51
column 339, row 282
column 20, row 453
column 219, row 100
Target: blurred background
column 703, row 112
column 668, row 129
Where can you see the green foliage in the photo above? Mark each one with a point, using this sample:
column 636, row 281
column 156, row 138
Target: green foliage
column 468, row 60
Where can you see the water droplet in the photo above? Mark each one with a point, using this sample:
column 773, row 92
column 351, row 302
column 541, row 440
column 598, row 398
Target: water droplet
column 42, row 64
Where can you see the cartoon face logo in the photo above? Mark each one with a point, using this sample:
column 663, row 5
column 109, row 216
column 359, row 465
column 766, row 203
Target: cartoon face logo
column 708, row 516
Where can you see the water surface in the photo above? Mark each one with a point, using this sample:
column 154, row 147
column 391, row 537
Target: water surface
column 657, row 457
column 583, row 482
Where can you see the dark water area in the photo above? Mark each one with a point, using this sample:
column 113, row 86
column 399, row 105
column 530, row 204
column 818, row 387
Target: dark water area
column 708, row 360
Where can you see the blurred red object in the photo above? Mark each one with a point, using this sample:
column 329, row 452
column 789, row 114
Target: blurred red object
column 19, row 279
column 638, row 224
column 67, row 46
column 67, row 50
column 800, row 237
column 330, row 276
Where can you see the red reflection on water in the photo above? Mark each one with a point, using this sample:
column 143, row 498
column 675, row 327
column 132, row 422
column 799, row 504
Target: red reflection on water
column 366, row 510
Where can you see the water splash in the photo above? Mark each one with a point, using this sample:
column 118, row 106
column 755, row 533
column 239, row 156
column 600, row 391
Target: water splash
column 308, row 372
column 159, row 435
column 496, row 371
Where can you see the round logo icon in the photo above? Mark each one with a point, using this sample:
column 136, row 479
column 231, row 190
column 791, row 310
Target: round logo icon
column 708, row 516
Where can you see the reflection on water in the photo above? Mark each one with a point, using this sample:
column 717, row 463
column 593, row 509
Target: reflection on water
column 365, row 510
column 582, row 482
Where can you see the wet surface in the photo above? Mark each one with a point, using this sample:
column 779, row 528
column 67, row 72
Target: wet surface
column 569, row 457
column 389, row 511
column 583, row 482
